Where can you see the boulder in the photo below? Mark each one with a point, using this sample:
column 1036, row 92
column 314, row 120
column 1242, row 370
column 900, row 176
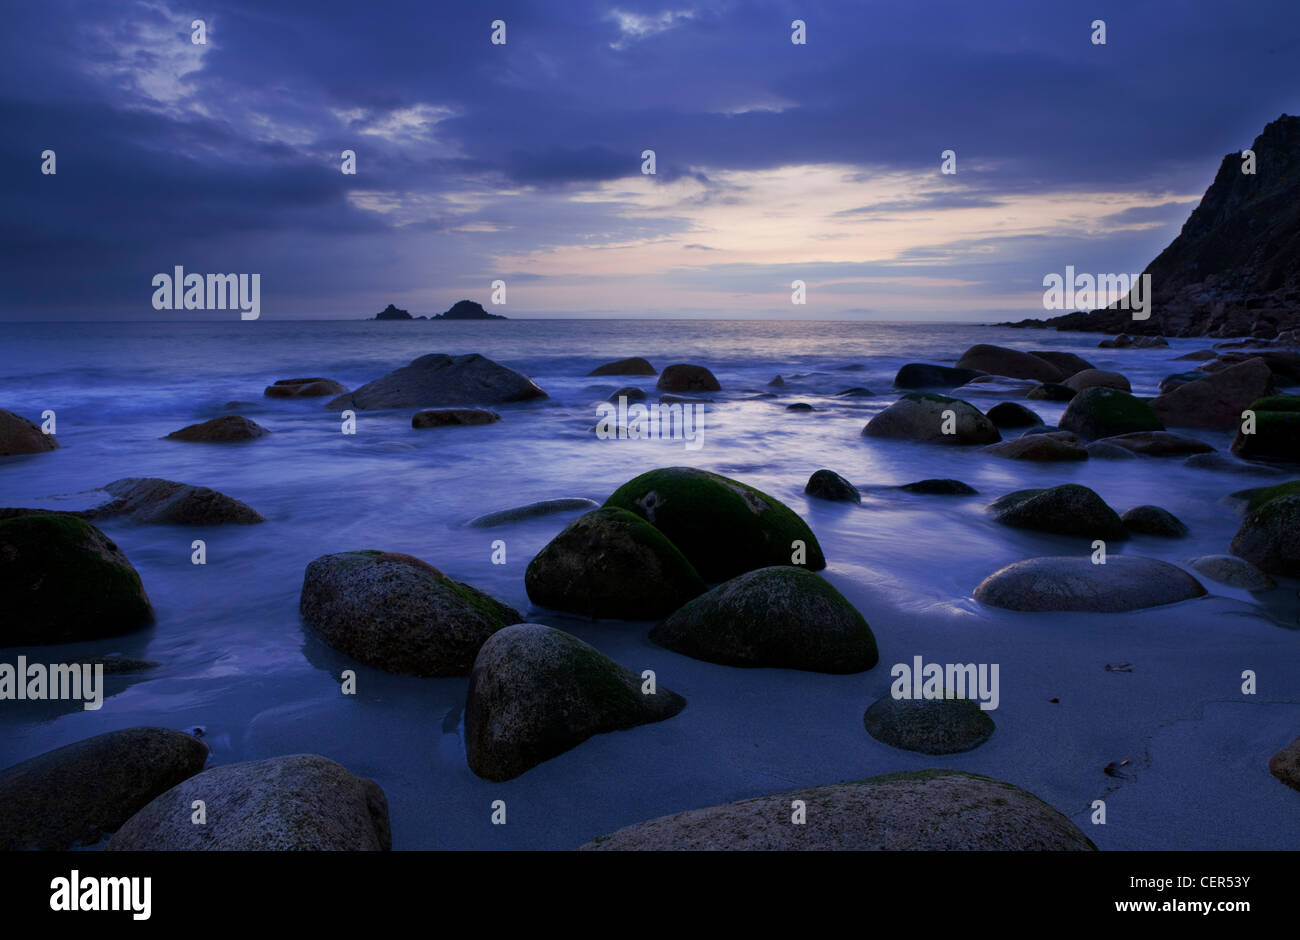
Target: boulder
column 633, row 366
column 1269, row 538
column 1276, row 437
column 1102, row 450
column 398, row 613
column 1221, row 463
column 1069, row 509
column 930, row 726
column 829, row 485
column 921, row 417
column 1285, row 765
column 1107, row 412
column 303, row 802
column 304, row 388
column 438, row 380
column 1258, row 496
column 1069, row 363
column 687, row 378
column 20, row 436
column 800, row 406
column 62, row 580
column 1171, row 382
column 940, row 488
column 925, row 810
column 998, row 360
column 1050, row 391
column 1152, row 520
column 1217, row 400
column 1010, row 414
column 1042, row 447
column 1200, row 355
column 536, row 692
column 75, row 794
column 153, row 500
column 1234, row 572
column 628, row 392
column 1150, row 342
column 1125, row 582
column 447, row 417
column 722, row 526
column 1122, row 341
column 228, row 429
column 1159, row 444
column 612, row 563
column 532, row 511
column 923, row 375
column 1097, row 378
column 782, row 617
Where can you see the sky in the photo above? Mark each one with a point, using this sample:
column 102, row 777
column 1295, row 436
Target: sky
column 522, row 162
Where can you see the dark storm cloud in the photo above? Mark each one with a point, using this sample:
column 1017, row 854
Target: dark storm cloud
column 227, row 156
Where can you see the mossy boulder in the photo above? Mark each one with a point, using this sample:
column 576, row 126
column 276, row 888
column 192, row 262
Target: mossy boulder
column 1099, row 412
column 1073, row 582
column 1257, row 497
column 782, row 617
column 63, row 580
column 612, row 563
column 1276, row 403
column 1269, row 538
column 398, row 613
column 298, row 803
column 925, row 810
column 928, row 418
column 722, row 526
column 20, row 436
column 1276, row 437
column 929, row 726
column 829, row 485
column 74, row 794
column 536, row 692
column 1069, row 509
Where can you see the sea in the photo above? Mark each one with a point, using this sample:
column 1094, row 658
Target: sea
column 236, row 664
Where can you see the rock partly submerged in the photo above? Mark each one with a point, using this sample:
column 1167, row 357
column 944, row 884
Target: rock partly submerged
column 925, row 810
column 75, row 794
column 304, row 388
column 536, row 692
column 933, row 419
column 1068, row 509
column 398, row 613
column 998, row 360
column 1011, row 414
column 1232, row 571
column 1123, row 583
column 781, row 617
column 612, row 563
column 632, row 366
column 20, row 436
column 830, row 486
column 453, row 417
column 438, row 380
column 924, row 375
column 62, row 580
column 1153, row 520
column 228, row 429
column 156, row 501
column 546, row 507
column 302, row 802
column 683, row 377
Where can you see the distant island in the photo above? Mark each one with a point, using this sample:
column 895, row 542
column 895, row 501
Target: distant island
column 467, row 310
column 461, row 310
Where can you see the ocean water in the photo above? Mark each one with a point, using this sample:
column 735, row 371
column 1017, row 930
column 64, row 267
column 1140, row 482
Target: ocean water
column 234, row 658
